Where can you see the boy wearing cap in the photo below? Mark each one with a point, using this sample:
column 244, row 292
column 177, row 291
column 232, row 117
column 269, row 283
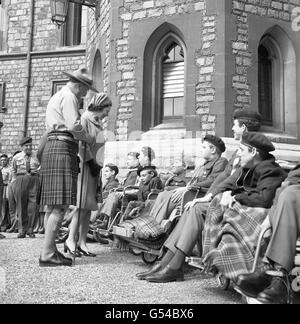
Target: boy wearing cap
column 234, row 217
column 203, row 177
column 237, row 213
column 25, row 170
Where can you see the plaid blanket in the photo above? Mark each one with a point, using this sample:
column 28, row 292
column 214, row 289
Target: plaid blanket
column 230, row 237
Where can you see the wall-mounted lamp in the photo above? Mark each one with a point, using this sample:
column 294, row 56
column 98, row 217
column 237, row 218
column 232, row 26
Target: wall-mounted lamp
column 59, row 9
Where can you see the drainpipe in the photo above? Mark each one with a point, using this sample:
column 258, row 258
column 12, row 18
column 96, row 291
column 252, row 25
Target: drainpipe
column 28, row 67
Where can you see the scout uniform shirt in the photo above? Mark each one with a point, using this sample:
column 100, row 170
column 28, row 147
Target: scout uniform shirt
column 22, row 164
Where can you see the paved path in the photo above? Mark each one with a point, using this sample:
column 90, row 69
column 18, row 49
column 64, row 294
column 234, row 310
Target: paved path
column 107, row 279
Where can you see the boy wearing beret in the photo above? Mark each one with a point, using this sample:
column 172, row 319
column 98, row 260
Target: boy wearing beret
column 230, row 230
column 234, row 217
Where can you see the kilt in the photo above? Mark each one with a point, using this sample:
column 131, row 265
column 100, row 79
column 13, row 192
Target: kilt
column 59, row 173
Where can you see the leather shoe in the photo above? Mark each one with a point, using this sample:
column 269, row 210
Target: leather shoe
column 65, row 258
column 142, row 275
column 21, row 236
column 166, row 275
column 251, row 284
column 55, row 261
column 2, row 236
column 276, row 293
column 31, row 235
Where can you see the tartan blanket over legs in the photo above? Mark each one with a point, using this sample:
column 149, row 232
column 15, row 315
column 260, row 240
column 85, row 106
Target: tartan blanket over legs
column 230, row 237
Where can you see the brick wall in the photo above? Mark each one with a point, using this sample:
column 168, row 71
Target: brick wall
column 44, row 69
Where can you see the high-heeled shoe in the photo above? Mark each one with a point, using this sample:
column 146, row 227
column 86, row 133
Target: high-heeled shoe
column 86, row 253
column 67, row 249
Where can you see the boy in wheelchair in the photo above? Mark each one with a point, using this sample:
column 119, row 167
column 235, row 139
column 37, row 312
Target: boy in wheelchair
column 135, row 199
column 284, row 218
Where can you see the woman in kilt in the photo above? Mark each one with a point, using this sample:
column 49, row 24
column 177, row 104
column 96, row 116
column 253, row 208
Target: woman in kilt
column 59, row 163
column 90, row 182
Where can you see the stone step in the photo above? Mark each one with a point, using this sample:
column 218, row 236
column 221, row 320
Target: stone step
column 165, row 131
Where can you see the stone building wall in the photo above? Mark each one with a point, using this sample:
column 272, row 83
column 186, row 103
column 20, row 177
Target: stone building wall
column 224, row 25
column 241, row 10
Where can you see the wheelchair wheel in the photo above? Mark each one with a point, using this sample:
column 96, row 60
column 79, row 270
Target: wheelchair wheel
column 135, row 251
column 149, row 258
column 223, row 282
column 296, row 280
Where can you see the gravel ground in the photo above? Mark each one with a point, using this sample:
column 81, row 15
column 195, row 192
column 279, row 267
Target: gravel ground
column 107, row 279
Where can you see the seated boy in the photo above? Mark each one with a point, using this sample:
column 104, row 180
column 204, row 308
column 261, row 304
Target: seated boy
column 149, row 182
column 114, row 200
column 111, row 182
column 176, row 177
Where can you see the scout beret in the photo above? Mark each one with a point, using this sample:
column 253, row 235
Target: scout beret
column 247, row 113
column 3, row 156
column 216, row 141
column 147, row 167
column 25, row 140
column 258, row 140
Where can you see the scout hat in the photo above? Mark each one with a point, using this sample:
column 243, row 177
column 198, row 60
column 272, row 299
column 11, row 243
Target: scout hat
column 82, row 76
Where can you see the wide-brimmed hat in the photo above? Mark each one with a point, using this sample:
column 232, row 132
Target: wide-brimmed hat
column 82, row 76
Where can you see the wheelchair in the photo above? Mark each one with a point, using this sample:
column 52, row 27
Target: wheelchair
column 293, row 286
column 151, row 250
column 114, row 221
column 224, row 283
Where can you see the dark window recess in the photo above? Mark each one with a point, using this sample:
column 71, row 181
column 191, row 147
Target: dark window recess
column 71, row 30
column 265, row 86
column 173, row 82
